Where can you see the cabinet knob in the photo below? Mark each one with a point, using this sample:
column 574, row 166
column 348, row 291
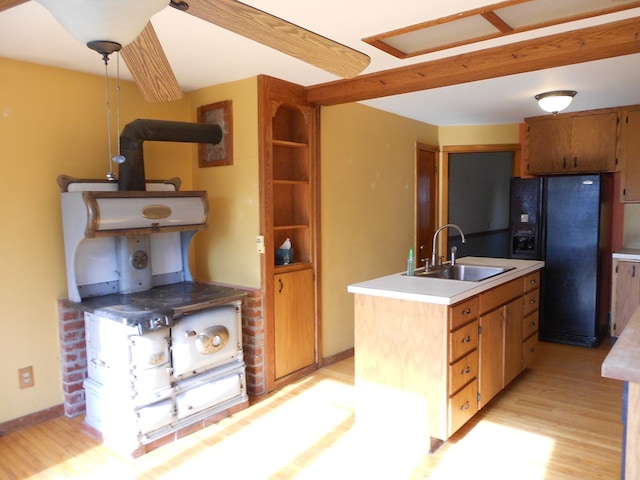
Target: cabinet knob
column 466, row 311
column 532, row 302
column 466, row 371
column 466, row 406
column 467, row 339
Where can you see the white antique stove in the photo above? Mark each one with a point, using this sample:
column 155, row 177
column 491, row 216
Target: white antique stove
column 163, row 352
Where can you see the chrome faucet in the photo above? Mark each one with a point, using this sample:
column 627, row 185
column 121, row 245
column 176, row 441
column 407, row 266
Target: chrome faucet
column 434, row 250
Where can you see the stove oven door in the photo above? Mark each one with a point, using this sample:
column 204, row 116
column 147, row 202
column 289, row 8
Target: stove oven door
column 150, row 365
column 214, row 390
column 206, row 339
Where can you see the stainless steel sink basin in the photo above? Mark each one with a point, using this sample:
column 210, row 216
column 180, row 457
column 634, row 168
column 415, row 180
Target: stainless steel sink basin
column 465, row 273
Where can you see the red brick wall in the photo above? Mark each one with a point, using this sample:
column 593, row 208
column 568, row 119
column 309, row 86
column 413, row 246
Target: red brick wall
column 73, row 352
column 253, row 343
column 73, row 356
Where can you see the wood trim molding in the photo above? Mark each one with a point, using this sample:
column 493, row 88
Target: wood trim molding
column 567, row 48
column 31, row 419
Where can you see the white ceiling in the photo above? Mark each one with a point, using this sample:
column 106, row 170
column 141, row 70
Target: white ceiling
column 202, row 54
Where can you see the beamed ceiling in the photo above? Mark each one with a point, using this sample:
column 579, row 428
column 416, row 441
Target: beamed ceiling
column 486, row 82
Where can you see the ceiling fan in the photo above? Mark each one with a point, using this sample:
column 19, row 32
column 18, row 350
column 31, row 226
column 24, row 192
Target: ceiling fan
column 150, row 68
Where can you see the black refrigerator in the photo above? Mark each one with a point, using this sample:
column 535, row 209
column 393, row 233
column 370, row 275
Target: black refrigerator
column 566, row 221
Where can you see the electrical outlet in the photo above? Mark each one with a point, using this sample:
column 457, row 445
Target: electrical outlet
column 25, row 377
column 260, row 243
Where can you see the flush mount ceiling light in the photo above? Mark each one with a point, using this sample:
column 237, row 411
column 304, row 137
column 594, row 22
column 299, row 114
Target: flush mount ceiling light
column 555, row 101
column 104, row 25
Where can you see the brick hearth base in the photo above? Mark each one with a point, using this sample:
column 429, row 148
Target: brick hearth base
column 73, row 353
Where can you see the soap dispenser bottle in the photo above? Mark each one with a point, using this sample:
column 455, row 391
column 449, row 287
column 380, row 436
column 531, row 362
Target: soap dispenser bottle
column 411, row 265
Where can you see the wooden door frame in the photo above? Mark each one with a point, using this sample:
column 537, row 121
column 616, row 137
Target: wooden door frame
column 436, row 194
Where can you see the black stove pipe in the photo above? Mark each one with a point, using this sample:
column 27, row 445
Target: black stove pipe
column 131, row 172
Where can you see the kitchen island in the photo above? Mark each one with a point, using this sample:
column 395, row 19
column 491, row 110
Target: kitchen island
column 429, row 353
column 623, row 363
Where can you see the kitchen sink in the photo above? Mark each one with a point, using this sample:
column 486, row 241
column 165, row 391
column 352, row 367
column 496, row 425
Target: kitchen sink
column 465, row 273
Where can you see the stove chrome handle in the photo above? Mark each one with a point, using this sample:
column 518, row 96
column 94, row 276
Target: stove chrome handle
column 190, row 333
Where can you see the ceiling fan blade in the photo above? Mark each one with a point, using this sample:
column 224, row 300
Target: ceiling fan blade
column 150, row 68
column 6, row 4
column 281, row 35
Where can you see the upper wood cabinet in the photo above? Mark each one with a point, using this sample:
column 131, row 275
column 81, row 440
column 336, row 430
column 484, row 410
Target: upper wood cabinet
column 629, row 154
column 572, row 143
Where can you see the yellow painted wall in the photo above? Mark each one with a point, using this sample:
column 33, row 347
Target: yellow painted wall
column 367, row 206
column 226, row 251
column 52, row 122
column 478, row 135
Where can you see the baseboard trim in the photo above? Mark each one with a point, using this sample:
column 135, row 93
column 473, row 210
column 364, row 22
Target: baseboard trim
column 31, row 419
column 331, row 359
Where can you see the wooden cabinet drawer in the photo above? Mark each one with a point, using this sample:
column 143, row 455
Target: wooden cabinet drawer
column 531, row 301
column 463, row 312
column 529, row 325
column 500, row 295
column 462, row 406
column 462, row 341
column 463, row 371
column 529, row 347
column 531, row 281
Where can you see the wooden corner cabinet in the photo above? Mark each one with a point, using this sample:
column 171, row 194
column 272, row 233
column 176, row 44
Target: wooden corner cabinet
column 288, row 127
column 572, row 143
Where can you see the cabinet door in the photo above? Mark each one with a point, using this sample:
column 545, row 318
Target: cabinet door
column 629, row 151
column 548, row 145
column 294, row 321
column 626, row 294
column 491, row 354
column 593, row 143
column 513, row 340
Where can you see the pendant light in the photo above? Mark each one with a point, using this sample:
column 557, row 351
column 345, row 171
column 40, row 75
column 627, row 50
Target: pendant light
column 114, row 21
column 555, row 101
column 105, row 26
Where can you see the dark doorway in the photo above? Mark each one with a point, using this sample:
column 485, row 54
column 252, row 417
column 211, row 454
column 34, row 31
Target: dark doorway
column 478, row 202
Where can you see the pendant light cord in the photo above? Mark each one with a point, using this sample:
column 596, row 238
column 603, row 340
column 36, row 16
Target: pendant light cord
column 118, row 102
column 110, row 175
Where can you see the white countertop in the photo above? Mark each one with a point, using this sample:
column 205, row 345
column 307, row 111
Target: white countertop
column 628, row 254
column 444, row 292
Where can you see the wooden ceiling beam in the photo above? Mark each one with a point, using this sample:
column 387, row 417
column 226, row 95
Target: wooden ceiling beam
column 567, row 48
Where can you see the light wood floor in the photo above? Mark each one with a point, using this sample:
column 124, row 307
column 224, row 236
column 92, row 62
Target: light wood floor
column 559, row 420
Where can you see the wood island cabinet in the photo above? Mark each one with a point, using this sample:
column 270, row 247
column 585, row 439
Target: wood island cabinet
column 501, row 311
column 462, row 401
column 422, row 369
column 288, row 127
column 530, row 318
column 572, row 143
